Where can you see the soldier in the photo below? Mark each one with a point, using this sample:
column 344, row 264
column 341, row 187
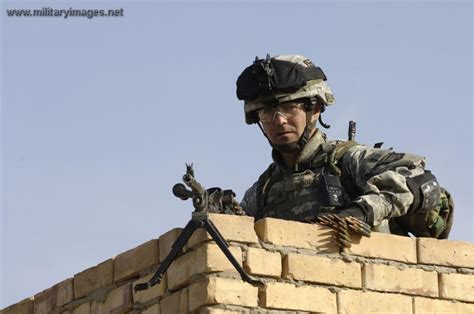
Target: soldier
column 311, row 177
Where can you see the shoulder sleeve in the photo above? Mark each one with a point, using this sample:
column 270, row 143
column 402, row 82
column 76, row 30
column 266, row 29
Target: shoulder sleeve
column 249, row 201
column 381, row 176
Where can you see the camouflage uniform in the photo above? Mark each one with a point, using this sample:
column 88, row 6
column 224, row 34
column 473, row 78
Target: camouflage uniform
column 378, row 178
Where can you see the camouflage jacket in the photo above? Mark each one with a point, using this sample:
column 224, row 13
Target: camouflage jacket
column 377, row 178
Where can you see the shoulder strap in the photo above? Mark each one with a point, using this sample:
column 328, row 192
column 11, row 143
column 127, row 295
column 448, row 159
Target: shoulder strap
column 337, row 153
column 262, row 187
column 334, row 161
column 341, row 148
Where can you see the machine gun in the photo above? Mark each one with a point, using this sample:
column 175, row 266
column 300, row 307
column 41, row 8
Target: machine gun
column 214, row 200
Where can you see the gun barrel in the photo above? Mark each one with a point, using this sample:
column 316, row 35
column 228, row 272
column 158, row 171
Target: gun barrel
column 196, row 187
column 198, row 193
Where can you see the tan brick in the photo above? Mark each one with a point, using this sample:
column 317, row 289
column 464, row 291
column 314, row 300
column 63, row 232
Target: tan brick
column 95, row 307
column 205, row 259
column 385, row 246
column 433, row 306
column 45, row 301
column 445, row 252
column 166, row 241
column 220, row 311
column 356, row 301
column 154, row 309
column 130, row 263
column 322, row 269
column 262, row 262
column 83, row 309
column 296, row 234
column 215, row 290
column 151, row 293
column 25, row 306
column 457, row 286
column 54, row 297
column 232, row 227
column 277, row 295
column 64, row 292
column 409, row 280
column 93, row 278
column 170, row 304
column 184, row 301
column 118, row 300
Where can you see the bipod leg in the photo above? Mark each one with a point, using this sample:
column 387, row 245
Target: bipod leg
column 183, row 237
column 224, row 246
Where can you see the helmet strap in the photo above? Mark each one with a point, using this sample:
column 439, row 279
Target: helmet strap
column 284, row 148
column 307, row 132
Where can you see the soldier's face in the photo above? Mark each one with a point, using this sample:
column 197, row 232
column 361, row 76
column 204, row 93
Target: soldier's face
column 283, row 130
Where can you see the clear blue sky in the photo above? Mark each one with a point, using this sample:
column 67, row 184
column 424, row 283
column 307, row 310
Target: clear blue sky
column 99, row 116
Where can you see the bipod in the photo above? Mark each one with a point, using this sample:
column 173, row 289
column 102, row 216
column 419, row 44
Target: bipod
column 198, row 220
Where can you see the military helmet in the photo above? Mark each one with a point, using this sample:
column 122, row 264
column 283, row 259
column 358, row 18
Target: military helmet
column 272, row 81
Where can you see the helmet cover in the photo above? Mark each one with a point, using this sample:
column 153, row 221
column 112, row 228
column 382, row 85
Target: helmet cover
column 272, row 81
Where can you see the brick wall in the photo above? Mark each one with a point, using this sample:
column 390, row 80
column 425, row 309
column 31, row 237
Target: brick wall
column 302, row 269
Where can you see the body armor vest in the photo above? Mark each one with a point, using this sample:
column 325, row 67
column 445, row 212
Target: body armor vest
column 313, row 186
column 301, row 195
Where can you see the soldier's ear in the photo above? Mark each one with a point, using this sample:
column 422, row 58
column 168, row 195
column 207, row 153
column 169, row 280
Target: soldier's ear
column 316, row 113
column 318, row 107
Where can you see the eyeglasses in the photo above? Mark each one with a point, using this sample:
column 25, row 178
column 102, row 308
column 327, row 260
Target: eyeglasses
column 286, row 110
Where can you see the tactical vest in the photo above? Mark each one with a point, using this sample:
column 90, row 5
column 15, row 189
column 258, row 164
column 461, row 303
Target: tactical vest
column 311, row 188
column 319, row 187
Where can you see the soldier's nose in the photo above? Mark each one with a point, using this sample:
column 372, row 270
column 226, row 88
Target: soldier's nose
column 279, row 118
